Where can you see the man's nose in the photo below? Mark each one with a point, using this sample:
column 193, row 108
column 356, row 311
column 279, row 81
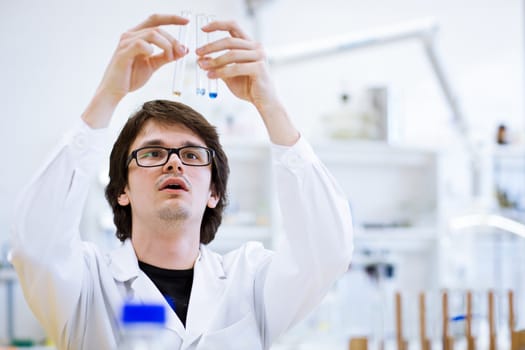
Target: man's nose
column 174, row 163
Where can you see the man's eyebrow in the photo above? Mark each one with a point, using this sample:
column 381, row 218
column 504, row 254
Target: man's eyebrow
column 154, row 142
column 159, row 142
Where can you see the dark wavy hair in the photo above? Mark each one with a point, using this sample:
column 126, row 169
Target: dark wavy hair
column 166, row 113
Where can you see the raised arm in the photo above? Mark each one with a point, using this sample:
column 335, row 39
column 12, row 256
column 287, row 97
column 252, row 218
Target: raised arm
column 317, row 246
column 56, row 270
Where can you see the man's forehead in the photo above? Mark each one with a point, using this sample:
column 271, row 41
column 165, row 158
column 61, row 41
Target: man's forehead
column 169, row 135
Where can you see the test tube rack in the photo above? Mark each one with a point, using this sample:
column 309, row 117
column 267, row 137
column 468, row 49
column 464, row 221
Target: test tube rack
column 517, row 340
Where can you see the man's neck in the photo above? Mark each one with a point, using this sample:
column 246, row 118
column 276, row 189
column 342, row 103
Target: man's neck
column 173, row 248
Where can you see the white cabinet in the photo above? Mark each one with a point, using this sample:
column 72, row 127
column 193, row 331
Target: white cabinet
column 393, row 193
column 389, row 188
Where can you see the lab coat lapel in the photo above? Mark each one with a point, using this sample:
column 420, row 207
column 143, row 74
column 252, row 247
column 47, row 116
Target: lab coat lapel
column 209, row 282
column 146, row 291
column 125, row 268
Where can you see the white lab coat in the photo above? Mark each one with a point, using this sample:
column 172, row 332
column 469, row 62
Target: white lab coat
column 242, row 300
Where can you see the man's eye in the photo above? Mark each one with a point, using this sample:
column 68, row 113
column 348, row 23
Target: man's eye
column 151, row 154
column 191, row 155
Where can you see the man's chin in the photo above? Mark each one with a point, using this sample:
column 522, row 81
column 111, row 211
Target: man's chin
column 173, row 214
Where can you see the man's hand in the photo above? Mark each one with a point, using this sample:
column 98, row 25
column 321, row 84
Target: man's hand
column 242, row 65
column 133, row 62
column 132, row 65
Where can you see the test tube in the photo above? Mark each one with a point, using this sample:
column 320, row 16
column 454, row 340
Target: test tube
column 180, row 64
column 201, row 39
column 213, row 84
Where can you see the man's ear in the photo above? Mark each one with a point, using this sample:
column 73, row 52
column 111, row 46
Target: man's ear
column 123, row 199
column 213, row 200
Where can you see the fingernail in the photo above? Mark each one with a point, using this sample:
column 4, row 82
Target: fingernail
column 183, row 49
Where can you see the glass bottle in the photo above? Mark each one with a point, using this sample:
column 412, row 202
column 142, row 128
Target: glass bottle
column 143, row 327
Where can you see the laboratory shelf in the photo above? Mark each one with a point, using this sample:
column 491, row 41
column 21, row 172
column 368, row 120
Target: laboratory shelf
column 402, row 238
column 372, row 153
column 423, row 233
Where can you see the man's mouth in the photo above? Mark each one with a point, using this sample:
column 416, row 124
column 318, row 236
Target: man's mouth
column 173, row 187
column 174, row 183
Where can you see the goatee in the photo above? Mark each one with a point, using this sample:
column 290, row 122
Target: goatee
column 173, row 214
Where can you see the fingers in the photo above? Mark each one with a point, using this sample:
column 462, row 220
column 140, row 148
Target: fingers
column 236, row 51
column 136, row 48
column 231, row 57
column 156, row 20
column 238, row 39
column 227, row 44
column 240, row 55
column 228, row 26
column 154, row 36
column 135, row 40
column 158, row 37
column 235, row 70
column 142, row 42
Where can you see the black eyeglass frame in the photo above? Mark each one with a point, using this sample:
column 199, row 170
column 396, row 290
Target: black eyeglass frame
column 133, row 155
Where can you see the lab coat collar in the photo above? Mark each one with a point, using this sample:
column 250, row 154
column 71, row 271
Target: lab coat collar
column 123, row 262
column 209, row 281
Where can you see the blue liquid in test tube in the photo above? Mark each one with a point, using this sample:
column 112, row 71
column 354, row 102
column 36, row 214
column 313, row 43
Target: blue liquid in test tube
column 200, row 40
column 213, row 84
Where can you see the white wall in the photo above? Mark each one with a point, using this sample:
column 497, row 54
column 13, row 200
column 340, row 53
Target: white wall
column 479, row 42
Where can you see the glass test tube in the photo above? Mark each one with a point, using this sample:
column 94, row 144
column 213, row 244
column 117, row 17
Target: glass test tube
column 180, row 64
column 213, row 84
column 200, row 40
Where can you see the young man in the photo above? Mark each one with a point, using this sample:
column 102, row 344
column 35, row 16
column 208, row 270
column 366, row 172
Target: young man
column 167, row 189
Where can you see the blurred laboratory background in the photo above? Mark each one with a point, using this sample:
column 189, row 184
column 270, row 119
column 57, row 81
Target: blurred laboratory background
column 415, row 106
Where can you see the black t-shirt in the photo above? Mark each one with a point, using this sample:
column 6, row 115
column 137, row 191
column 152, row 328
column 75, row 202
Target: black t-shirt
column 175, row 285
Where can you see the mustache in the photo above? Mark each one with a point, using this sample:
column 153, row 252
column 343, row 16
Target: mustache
column 173, row 176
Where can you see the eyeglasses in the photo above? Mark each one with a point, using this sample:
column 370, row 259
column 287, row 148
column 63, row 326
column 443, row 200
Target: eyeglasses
column 148, row 157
